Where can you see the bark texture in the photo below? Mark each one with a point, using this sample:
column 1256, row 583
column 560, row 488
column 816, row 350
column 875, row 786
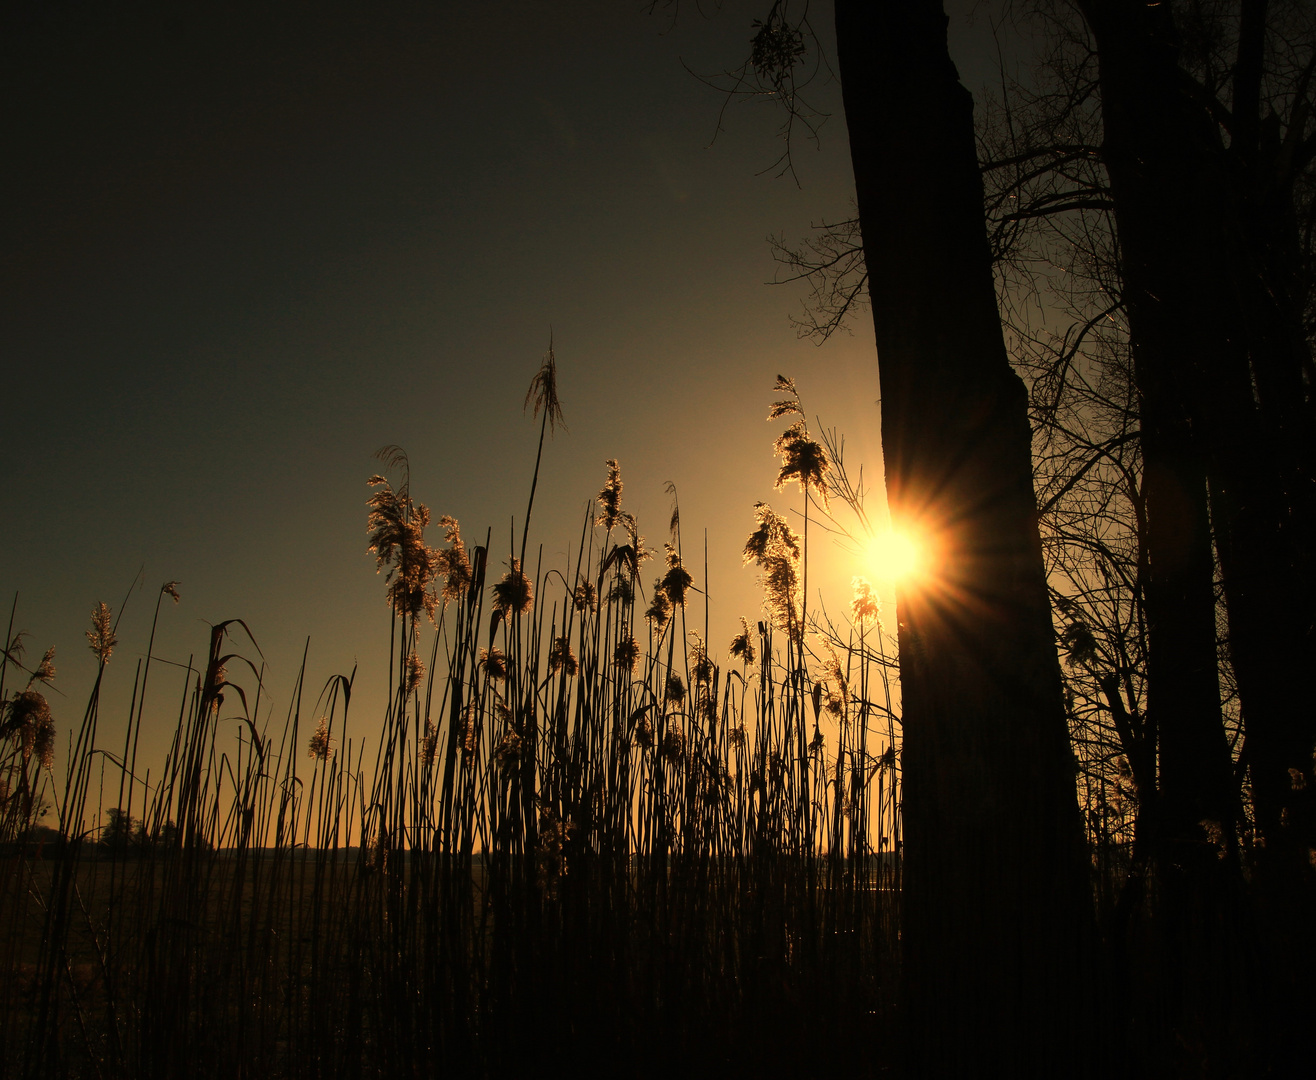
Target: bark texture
column 996, row 897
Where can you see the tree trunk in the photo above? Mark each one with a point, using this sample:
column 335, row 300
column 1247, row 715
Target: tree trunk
column 1201, row 277
column 996, row 900
column 1195, row 778
column 1194, row 264
column 1175, row 938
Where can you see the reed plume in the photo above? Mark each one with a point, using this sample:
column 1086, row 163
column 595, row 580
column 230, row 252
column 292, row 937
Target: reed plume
column 101, row 638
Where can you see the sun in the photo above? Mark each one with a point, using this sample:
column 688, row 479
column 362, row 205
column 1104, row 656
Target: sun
column 895, row 556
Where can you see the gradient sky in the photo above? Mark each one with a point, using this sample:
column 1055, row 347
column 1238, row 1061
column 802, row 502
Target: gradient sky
column 244, row 248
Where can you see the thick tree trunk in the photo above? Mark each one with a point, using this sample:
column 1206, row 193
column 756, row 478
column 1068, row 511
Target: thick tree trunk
column 1201, row 281
column 996, row 898
column 1195, row 778
column 1176, row 942
column 1193, row 263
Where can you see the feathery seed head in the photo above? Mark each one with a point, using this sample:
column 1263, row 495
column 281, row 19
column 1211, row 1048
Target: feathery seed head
column 627, row 653
column 561, row 658
column 45, row 671
column 773, row 538
column 508, row 750
column 14, row 654
column 705, row 703
column 468, row 733
column 833, row 697
column 396, row 527
column 321, row 746
column 659, row 611
column 674, row 745
column 628, row 557
column 453, row 562
column 610, row 512
column 586, row 596
column 513, row 593
column 831, row 691
column 865, row 605
column 785, row 407
column 543, row 391
column 644, row 731
column 674, row 692
column 775, row 548
column 29, row 715
column 700, row 665
column 494, row 663
column 43, row 743
column 802, row 460
column 415, row 672
column 742, row 645
column 429, row 743
column 676, row 581
column 101, row 637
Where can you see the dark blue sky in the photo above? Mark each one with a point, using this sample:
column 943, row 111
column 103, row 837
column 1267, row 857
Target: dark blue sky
column 246, row 247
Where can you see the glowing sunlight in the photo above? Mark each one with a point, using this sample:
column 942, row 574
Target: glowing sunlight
column 896, row 556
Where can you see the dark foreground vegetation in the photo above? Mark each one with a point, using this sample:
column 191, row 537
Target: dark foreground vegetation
column 575, row 837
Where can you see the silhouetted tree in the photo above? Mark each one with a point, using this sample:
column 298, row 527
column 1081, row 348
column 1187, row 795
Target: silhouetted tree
column 1205, row 163
column 1205, row 160
column 118, row 828
column 1051, row 200
column 1204, row 188
column 995, row 900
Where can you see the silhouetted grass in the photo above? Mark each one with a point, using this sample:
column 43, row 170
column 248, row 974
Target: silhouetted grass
column 575, row 836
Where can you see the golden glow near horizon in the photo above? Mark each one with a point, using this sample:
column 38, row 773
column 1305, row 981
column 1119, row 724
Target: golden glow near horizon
column 896, row 556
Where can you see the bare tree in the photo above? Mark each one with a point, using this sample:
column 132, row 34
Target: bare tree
column 1205, row 161
column 994, row 876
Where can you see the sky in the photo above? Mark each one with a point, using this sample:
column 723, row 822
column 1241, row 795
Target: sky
column 246, row 246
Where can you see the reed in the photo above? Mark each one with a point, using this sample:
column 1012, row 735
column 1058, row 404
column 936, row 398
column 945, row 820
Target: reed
column 577, row 834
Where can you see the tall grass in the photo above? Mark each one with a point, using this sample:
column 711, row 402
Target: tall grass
column 576, row 833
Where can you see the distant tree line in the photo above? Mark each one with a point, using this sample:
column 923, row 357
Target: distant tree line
column 123, row 832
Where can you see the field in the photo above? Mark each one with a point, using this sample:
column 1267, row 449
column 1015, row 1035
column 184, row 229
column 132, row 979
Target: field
column 579, row 835
column 576, row 837
column 175, row 963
